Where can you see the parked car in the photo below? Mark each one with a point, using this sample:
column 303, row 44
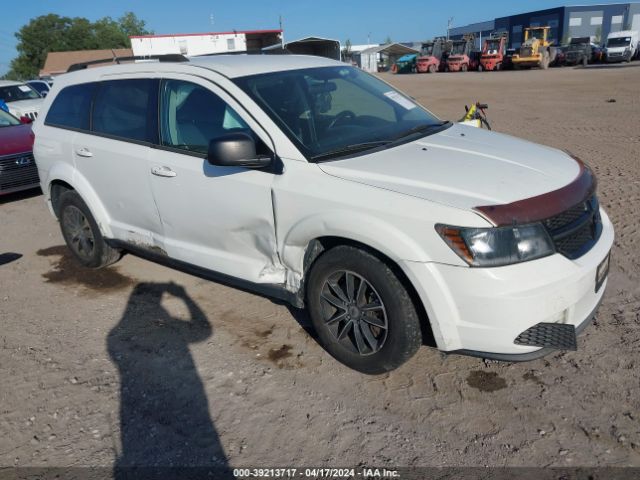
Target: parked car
column 581, row 51
column 22, row 100
column 18, row 170
column 316, row 183
column 40, row 86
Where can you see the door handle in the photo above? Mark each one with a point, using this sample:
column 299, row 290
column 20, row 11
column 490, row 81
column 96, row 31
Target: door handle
column 84, row 152
column 163, row 172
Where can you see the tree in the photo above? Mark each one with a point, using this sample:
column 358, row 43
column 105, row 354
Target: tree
column 598, row 36
column 53, row 33
column 346, row 51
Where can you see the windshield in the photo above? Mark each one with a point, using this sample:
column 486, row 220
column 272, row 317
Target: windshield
column 333, row 111
column 13, row 93
column 493, row 46
column 458, row 48
column 7, row 120
column 427, row 49
column 537, row 33
column 619, row 42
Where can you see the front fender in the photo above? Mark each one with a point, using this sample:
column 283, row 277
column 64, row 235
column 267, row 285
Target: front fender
column 368, row 230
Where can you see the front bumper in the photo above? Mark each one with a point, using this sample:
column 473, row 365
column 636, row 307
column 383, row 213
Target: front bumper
column 481, row 311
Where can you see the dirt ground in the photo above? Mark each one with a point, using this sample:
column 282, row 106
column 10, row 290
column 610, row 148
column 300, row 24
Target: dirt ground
column 105, row 367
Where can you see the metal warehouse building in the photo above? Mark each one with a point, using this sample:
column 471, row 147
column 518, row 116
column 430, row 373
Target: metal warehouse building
column 595, row 21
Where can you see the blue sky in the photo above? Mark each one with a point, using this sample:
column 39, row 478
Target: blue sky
column 404, row 20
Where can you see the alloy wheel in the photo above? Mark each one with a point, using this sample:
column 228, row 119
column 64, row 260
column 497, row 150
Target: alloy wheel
column 354, row 313
column 79, row 232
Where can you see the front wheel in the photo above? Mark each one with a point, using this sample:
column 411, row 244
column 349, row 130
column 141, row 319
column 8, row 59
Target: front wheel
column 82, row 234
column 363, row 315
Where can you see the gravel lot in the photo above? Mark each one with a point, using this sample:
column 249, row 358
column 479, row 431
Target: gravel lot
column 141, row 364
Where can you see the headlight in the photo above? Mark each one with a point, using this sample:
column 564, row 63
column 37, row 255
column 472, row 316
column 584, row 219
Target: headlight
column 497, row 246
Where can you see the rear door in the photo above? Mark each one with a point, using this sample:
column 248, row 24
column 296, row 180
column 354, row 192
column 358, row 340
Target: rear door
column 219, row 218
column 113, row 157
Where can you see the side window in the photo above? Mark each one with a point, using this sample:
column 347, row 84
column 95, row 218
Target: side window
column 127, row 109
column 71, row 107
column 191, row 116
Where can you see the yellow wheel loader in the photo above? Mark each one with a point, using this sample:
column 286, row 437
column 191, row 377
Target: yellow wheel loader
column 536, row 50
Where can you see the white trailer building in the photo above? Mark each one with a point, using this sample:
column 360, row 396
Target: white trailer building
column 193, row 44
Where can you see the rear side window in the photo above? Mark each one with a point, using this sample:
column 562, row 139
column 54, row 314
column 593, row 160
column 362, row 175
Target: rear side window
column 71, row 107
column 127, row 109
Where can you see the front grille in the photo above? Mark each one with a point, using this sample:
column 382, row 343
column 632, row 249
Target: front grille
column 577, row 229
column 549, row 335
column 526, row 51
column 17, row 171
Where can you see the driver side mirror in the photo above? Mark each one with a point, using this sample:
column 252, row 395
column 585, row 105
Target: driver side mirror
column 236, row 150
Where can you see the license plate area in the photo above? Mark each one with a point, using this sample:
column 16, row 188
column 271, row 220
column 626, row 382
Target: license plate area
column 602, row 271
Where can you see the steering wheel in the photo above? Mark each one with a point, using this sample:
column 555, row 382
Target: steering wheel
column 341, row 116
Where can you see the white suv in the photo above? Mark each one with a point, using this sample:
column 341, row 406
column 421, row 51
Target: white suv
column 311, row 181
column 22, row 99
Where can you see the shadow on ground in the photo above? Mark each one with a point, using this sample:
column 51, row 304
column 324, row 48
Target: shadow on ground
column 165, row 422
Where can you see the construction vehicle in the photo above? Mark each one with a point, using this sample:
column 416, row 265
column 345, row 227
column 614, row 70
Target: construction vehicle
column 405, row 64
column 476, row 116
column 459, row 58
column 580, row 51
column 433, row 56
column 536, row 50
column 493, row 52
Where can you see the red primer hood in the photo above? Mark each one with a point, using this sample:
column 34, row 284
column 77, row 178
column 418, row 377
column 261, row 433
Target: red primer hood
column 16, row 139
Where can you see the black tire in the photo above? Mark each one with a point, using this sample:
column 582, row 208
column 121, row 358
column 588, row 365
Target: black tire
column 393, row 345
column 82, row 234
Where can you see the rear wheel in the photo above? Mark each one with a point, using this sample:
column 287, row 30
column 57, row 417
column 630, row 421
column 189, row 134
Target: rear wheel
column 81, row 233
column 362, row 313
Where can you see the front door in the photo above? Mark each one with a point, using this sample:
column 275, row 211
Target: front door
column 219, row 218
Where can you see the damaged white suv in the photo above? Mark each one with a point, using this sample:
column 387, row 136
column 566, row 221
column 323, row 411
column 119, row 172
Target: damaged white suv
column 314, row 182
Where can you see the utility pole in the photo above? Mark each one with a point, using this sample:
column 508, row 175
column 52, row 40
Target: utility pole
column 281, row 33
column 449, row 22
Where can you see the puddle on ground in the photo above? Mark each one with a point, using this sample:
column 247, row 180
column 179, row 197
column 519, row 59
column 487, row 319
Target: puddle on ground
column 276, row 354
column 66, row 270
column 486, row 381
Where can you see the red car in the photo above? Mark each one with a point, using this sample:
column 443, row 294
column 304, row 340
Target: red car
column 18, row 170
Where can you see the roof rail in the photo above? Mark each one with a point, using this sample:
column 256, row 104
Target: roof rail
column 171, row 57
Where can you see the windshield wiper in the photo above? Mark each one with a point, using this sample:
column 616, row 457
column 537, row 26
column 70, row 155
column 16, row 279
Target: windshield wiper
column 421, row 129
column 353, row 148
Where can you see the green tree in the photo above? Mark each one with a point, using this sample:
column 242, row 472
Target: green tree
column 598, row 36
column 53, row 33
column 346, row 51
